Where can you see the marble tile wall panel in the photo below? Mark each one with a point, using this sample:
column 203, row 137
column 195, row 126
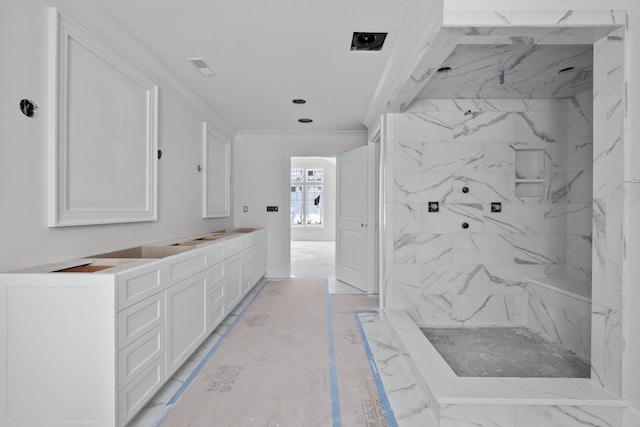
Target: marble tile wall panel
column 423, row 249
column 483, row 188
column 489, row 310
column 544, row 18
column 451, row 216
column 470, row 269
column 540, row 126
column 453, row 279
column 608, row 174
column 421, row 187
column 424, row 127
column 555, row 217
column 407, row 218
column 560, row 318
column 447, row 157
column 537, row 248
column 567, row 416
column 483, row 127
column 477, row 415
column 580, row 221
column 482, row 249
column 485, row 105
column 579, row 251
column 516, row 218
column 461, row 415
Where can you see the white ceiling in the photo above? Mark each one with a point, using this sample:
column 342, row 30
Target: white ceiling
column 266, row 53
column 530, row 72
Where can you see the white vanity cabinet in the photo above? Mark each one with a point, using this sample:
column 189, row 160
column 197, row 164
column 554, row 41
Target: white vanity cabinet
column 91, row 345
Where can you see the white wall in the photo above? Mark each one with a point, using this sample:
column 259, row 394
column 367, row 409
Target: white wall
column 328, row 230
column 262, row 180
column 25, row 238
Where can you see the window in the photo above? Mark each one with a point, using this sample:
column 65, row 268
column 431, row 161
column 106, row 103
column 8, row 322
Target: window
column 307, row 198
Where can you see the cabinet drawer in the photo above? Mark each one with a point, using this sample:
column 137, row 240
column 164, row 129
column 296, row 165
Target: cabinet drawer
column 136, row 394
column 215, row 306
column 134, row 359
column 134, row 286
column 186, row 265
column 137, row 320
column 233, row 247
column 216, row 253
column 217, row 275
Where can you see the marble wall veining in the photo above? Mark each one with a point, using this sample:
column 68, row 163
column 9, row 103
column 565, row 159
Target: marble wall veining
column 607, row 345
column 444, row 274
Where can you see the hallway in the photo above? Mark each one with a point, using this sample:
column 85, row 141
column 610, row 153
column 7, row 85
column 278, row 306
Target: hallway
column 355, row 376
column 315, row 259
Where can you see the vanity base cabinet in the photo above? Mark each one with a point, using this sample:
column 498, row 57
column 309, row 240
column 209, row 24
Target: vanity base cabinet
column 92, row 348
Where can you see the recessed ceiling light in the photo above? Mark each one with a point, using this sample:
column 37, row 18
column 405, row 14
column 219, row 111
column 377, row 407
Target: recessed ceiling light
column 367, row 41
column 444, row 70
column 566, row 70
column 299, row 101
column 201, row 66
column 305, row 120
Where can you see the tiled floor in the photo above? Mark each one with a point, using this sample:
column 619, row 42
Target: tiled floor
column 316, row 259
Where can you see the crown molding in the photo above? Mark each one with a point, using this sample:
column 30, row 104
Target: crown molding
column 100, row 16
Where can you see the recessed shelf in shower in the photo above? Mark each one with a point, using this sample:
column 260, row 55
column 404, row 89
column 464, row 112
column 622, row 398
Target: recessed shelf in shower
column 529, row 173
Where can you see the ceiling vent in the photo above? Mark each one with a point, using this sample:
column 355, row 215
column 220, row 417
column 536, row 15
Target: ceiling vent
column 367, row 41
column 201, row 66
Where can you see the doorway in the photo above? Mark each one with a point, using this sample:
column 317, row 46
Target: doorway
column 312, row 216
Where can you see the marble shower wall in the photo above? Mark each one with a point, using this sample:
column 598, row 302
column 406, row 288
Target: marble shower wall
column 444, row 274
column 607, row 344
column 579, row 186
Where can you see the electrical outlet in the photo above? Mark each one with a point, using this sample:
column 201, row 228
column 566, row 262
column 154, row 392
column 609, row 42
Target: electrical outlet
column 272, row 209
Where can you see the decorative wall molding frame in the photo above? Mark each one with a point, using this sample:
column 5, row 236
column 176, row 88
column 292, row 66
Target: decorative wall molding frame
column 102, row 132
column 216, row 177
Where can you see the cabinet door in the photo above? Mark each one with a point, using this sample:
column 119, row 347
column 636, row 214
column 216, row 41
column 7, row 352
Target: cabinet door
column 186, row 319
column 234, row 282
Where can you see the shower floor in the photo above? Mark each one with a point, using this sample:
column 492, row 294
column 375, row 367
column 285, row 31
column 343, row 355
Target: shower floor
column 504, row 352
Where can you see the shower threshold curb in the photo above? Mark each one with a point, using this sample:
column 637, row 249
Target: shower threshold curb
column 444, row 390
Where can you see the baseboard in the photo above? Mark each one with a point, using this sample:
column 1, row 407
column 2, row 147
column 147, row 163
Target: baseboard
column 276, row 274
column 631, row 417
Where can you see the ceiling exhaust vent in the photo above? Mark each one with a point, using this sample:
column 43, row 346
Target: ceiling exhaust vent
column 201, row 66
column 367, row 41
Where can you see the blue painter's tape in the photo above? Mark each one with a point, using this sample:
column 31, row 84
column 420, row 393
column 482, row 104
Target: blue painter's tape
column 333, row 373
column 384, row 399
column 178, row 394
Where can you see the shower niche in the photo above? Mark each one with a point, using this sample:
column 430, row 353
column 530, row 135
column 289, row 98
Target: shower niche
column 529, row 172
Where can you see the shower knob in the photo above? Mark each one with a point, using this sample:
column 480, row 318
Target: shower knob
column 465, row 189
column 465, row 225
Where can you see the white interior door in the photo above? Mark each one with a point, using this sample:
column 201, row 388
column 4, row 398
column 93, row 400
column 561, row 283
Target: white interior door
column 351, row 222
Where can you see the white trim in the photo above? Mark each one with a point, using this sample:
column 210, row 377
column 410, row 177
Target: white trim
column 277, row 274
column 225, row 211
column 72, row 125
column 102, row 17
